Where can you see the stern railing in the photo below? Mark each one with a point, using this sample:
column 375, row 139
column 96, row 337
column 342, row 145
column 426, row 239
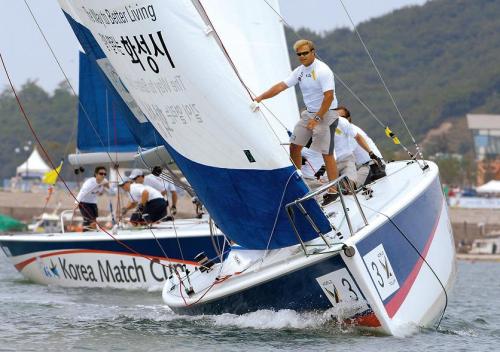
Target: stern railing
column 340, row 183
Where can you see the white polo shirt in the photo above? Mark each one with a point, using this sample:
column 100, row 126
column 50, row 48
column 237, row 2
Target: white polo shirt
column 314, row 80
column 359, row 153
column 136, row 190
column 90, row 190
column 368, row 140
column 344, row 139
column 158, row 183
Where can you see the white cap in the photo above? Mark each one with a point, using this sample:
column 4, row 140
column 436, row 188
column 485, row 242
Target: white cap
column 123, row 181
column 136, row 173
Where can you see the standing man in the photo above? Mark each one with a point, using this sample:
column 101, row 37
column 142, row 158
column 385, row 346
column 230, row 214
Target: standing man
column 86, row 200
column 318, row 121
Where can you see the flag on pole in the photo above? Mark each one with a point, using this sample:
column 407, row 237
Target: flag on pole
column 50, row 177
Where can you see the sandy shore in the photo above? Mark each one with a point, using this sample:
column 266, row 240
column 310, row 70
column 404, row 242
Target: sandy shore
column 468, row 224
column 479, row 257
column 25, row 205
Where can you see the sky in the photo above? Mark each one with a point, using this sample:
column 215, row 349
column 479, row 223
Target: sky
column 27, row 56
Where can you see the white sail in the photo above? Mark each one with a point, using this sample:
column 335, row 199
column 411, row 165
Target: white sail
column 191, row 91
column 254, row 37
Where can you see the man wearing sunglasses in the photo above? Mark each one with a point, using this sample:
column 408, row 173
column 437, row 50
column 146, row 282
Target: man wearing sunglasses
column 319, row 121
column 86, row 200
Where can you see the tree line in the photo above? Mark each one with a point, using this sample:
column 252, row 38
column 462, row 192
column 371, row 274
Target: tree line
column 439, row 60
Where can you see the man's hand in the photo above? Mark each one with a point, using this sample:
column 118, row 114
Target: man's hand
column 320, row 172
column 312, row 123
column 375, row 158
column 173, row 210
column 255, row 106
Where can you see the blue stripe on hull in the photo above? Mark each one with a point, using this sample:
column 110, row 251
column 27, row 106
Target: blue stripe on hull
column 254, row 196
column 190, row 246
column 301, row 292
column 417, row 222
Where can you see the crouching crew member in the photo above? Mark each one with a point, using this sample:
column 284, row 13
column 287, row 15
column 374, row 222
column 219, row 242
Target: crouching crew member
column 154, row 180
column 370, row 167
column 151, row 207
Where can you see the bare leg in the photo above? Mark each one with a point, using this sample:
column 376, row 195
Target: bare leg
column 296, row 155
column 331, row 168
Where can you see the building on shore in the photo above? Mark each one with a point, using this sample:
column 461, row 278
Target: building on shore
column 486, row 132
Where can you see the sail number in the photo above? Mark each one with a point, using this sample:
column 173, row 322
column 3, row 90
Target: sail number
column 381, row 271
column 340, row 289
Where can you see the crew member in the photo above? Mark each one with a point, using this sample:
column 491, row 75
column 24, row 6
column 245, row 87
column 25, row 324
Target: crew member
column 86, row 200
column 164, row 187
column 369, row 168
column 151, row 206
column 318, row 121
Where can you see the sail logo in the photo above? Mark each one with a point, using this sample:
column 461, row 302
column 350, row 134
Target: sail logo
column 381, row 272
column 342, row 292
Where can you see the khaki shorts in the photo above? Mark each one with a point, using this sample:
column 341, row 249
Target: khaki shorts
column 323, row 135
column 347, row 166
column 363, row 172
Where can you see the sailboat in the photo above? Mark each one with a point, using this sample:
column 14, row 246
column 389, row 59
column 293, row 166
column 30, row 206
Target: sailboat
column 124, row 258
column 193, row 68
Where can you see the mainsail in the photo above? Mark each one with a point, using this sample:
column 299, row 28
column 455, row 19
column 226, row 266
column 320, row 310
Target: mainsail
column 102, row 125
column 197, row 97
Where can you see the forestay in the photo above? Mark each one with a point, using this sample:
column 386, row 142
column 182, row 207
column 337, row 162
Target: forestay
column 173, row 66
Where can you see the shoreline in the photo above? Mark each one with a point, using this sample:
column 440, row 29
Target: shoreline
column 478, row 257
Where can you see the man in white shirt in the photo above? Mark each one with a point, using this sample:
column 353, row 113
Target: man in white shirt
column 369, row 167
column 318, row 122
column 151, row 206
column 152, row 180
column 86, row 200
column 348, row 139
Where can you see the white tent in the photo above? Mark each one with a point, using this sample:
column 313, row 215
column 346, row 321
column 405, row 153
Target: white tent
column 489, row 187
column 34, row 166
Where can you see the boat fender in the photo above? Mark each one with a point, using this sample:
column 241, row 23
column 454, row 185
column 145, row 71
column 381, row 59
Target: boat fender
column 349, row 251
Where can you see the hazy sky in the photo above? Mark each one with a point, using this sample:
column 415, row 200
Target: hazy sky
column 28, row 57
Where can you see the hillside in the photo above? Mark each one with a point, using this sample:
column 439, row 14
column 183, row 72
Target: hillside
column 440, row 61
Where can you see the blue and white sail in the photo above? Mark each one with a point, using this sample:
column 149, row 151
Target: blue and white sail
column 102, row 126
column 197, row 96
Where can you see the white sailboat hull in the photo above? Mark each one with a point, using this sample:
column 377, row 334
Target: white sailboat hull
column 131, row 259
column 401, row 272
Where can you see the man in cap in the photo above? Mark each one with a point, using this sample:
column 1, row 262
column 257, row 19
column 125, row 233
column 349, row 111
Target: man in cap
column 151, row 206
column 153, row 180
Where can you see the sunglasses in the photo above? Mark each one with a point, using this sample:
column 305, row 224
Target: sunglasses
column 304, row 53
column 102, row 173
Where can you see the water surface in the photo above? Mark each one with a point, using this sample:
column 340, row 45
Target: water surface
column 46, row 318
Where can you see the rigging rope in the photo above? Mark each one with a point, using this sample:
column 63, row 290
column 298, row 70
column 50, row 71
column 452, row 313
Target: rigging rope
column 383, row 81
column 69, row 83
column 370, row 111
column 47, row 156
